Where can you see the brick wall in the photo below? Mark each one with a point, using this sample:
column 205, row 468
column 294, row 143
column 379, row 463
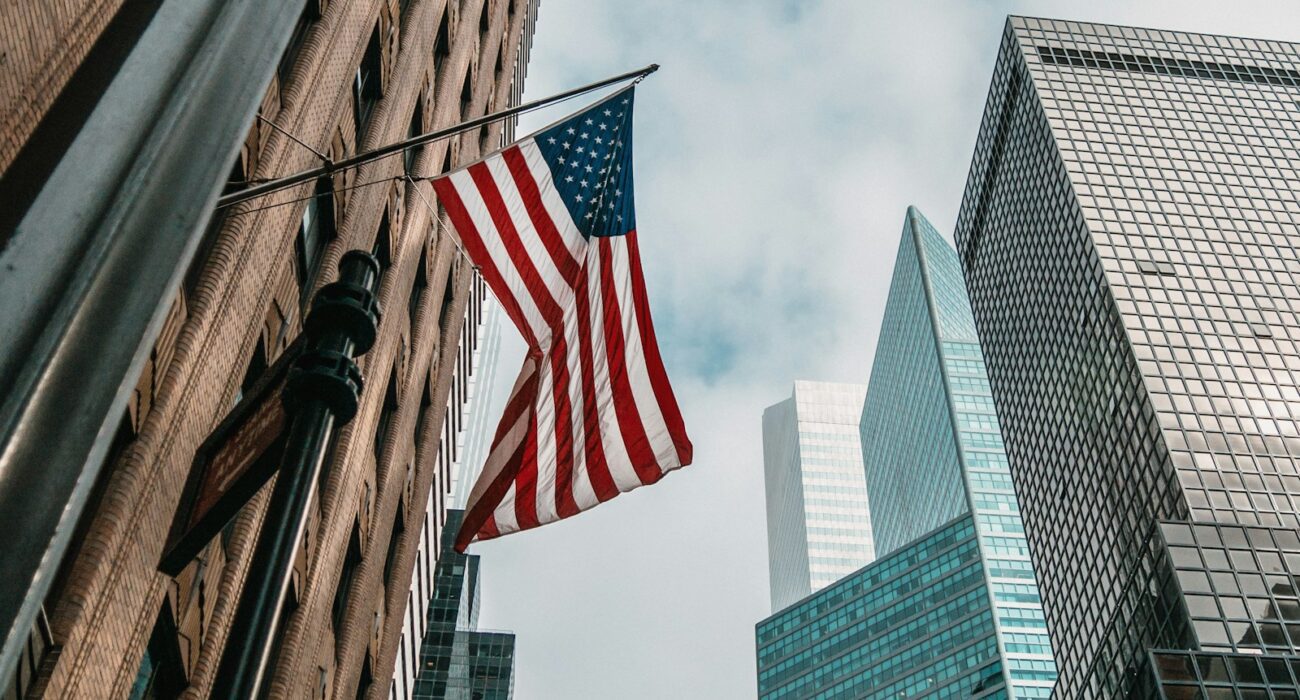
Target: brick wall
column 41, row 44
column 242, row 295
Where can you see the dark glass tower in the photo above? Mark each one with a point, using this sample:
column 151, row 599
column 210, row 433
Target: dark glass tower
column 457, row 660
column 1128, row 237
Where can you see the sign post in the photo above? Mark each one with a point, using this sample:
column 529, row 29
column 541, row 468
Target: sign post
column 238, row 457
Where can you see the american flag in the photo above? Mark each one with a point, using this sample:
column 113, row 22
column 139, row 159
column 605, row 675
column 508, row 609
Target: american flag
column 550, row 222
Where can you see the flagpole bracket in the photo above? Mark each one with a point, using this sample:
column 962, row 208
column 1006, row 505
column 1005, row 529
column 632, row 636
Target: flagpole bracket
column 645, row 73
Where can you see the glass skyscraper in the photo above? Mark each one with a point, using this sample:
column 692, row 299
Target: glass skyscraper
column 1129, row 241
column 951, row 608
column 933, row 448
column 459, row 458
column 914, row 622
column 818, row 522
column 457, row 660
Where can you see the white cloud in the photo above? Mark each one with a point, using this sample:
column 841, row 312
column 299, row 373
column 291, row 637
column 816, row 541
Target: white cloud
column 776, row 150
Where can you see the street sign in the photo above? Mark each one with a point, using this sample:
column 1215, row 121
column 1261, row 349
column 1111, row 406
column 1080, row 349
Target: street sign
column 236, row 459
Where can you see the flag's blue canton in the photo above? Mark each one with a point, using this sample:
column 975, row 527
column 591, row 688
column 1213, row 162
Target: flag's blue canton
column 590, row 155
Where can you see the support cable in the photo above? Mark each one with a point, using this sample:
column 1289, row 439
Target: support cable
column 441, row 221
column 295, row 200
column 324, row 158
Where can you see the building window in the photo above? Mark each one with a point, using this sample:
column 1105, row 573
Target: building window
column 447, row 295
column 343, row 592
column 415, row 129
column 256, row 368
column 441, row 45
column 399, row 526
column 161, row 674
column 383, row 249
column 386, row 414
column 417, row 291
column 367, row 87
column 426, row 402
column 309, row 15
column 31, row 657
column 367, row 678
column 315, row 231
column 466, row 96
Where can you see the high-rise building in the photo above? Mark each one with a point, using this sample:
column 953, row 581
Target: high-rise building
column 457, row 660
column 916, row 622
column 353, row 76
column 1129, row 242
column 818, row 522
column 925, row 377
column 478, row 424
column 466, row 413
column 466, row 427
column 951, row 607
column 933, row 447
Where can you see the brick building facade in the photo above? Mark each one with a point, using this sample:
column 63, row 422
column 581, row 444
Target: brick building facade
column 356, row 74
column 44, row 44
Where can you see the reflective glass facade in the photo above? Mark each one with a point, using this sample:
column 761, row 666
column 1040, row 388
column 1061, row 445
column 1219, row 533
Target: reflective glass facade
column 818, row 521
column 1128, row 238
column 1188, row 676
column 915, row 623
column 933, row 447
column 1238, row 584
column 909, row 446
column 457, row 660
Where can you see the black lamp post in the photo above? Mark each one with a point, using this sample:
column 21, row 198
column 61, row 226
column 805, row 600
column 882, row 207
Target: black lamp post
column 321, row 395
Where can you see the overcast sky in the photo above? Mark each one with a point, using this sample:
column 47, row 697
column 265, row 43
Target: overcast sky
column 776, row 152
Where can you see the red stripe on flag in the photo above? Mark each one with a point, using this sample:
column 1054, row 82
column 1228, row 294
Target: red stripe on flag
column 602, row 483
column 541, row 218
column 473, row 242
column 565, row 505
column 653, row 361
column 537, row 289
column 526, row 479
column 480, row 511
column 490, row 529
column 558, row 357
column 639, row 450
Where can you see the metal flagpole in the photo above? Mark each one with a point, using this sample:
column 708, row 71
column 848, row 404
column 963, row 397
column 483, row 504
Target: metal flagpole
column 332, row 167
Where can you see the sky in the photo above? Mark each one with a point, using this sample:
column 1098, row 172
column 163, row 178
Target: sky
column 776, row 151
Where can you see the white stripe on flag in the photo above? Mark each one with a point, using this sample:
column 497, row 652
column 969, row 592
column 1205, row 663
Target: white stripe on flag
column 477, row 209
column 546, row 451
column 580, row 486
column 647, row 405
column 559, row 289
column 559, row 213
column 620, row 465
column 505, row 513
